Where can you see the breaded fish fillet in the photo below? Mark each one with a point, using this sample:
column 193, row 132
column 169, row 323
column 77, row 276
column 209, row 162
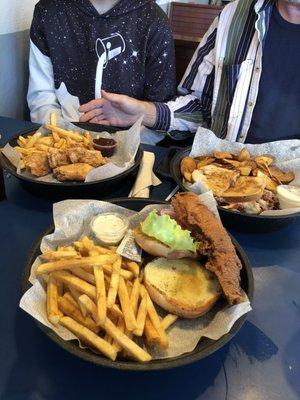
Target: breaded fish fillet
column 215, row 242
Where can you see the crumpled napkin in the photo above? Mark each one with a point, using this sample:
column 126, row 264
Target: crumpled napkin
column 146, row 177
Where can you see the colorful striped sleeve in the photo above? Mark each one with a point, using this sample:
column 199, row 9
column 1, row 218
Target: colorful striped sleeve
column 192, row 108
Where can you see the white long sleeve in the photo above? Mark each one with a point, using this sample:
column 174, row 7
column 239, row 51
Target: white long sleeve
column 41, row 95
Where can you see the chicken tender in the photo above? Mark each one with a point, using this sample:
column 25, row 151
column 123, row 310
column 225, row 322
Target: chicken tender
column 57, row 157
column 81, row 155
column 37, row 163
column 72, row 172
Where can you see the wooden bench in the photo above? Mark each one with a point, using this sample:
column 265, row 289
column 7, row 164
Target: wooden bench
column 189, row 23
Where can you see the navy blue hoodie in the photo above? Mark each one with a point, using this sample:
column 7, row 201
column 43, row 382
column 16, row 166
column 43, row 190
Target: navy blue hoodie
column 127, row 50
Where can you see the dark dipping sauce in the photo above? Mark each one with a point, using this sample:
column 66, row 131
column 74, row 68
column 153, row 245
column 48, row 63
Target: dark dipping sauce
column 105, row 145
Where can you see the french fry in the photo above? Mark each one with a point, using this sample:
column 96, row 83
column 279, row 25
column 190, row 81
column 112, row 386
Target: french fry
column 88, row 243
column 133, row 267
column 77, row 283
column 63, row 133
column 75, row 263
column 127, row 344
column 121, row 327
column 46, row 140
column 60, row 287
column 89, row 337
column 60, row 143
column 90, row 246
column 107, row 337
column 103, row 250
column 100, row 294
column 168, row 321
column 154, row 318
column 66, row 248
column 25, row 152
column 53, row 119
column 127, row 310
column 90, row 306
column 80, row 247
column 33, row 140
column 134, row 296
column 141, row 317
column 63, row 144
column 22, row 164
column 56, row 137
column 127, row 275
column 53, row 312
column 70, row 298
column 86, row 276
column 116, row 311
column 75, row 294
column 41, row 147
column 129, row 287
column 114, row 283
column 152, row 337
column 59, row 254
column 22, row 140
column 73, row 312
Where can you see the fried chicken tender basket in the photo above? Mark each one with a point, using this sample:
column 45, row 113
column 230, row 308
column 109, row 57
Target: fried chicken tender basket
column 63, row 190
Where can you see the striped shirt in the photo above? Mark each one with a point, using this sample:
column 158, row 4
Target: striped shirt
column 220, row 86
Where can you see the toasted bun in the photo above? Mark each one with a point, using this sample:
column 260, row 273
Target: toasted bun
column 156, row 248
column 182, row 287
column 247, row 188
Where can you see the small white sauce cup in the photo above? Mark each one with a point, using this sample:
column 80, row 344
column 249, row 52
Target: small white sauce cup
column 108, row 235
column 288, row 196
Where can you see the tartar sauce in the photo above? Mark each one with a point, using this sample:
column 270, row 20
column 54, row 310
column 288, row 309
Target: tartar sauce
column 288, row 196
column 109, row 228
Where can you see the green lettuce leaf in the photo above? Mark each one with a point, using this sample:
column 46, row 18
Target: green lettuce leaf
column 167, row 231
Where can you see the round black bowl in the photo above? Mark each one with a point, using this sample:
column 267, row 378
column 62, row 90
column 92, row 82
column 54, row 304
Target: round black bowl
column 70, row 190
column 205, row 346
column 233, row 219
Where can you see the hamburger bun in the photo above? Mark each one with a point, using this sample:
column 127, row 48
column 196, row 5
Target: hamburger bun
column 157, row 249
column 182, row 287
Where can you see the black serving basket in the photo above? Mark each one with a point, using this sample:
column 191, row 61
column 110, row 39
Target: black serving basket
column 205, row 346
column 233, row 219
column 71, row 190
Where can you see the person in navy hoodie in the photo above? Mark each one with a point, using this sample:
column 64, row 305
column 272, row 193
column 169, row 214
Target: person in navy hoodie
column 80, row 47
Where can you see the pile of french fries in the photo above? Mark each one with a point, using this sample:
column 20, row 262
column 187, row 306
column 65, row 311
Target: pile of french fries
column 98, row 296
column 58, row 138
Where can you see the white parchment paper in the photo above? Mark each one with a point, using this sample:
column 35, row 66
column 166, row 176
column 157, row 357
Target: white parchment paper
column 128, row 144
column 285, row 152
column 72, row 220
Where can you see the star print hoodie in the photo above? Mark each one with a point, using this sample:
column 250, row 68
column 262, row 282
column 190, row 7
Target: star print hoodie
column 75, row 52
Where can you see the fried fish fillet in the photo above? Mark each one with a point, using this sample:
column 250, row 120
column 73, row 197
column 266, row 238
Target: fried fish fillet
column 215, row 242
column 72, row 172
column 37, row 163
column 57, row 157
column 81, row 155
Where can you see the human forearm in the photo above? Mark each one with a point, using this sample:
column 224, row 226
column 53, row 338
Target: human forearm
column 150, row 114
column 41, row 95
column 182, row 114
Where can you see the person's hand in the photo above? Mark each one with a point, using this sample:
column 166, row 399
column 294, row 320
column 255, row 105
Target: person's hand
column 116, row 110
